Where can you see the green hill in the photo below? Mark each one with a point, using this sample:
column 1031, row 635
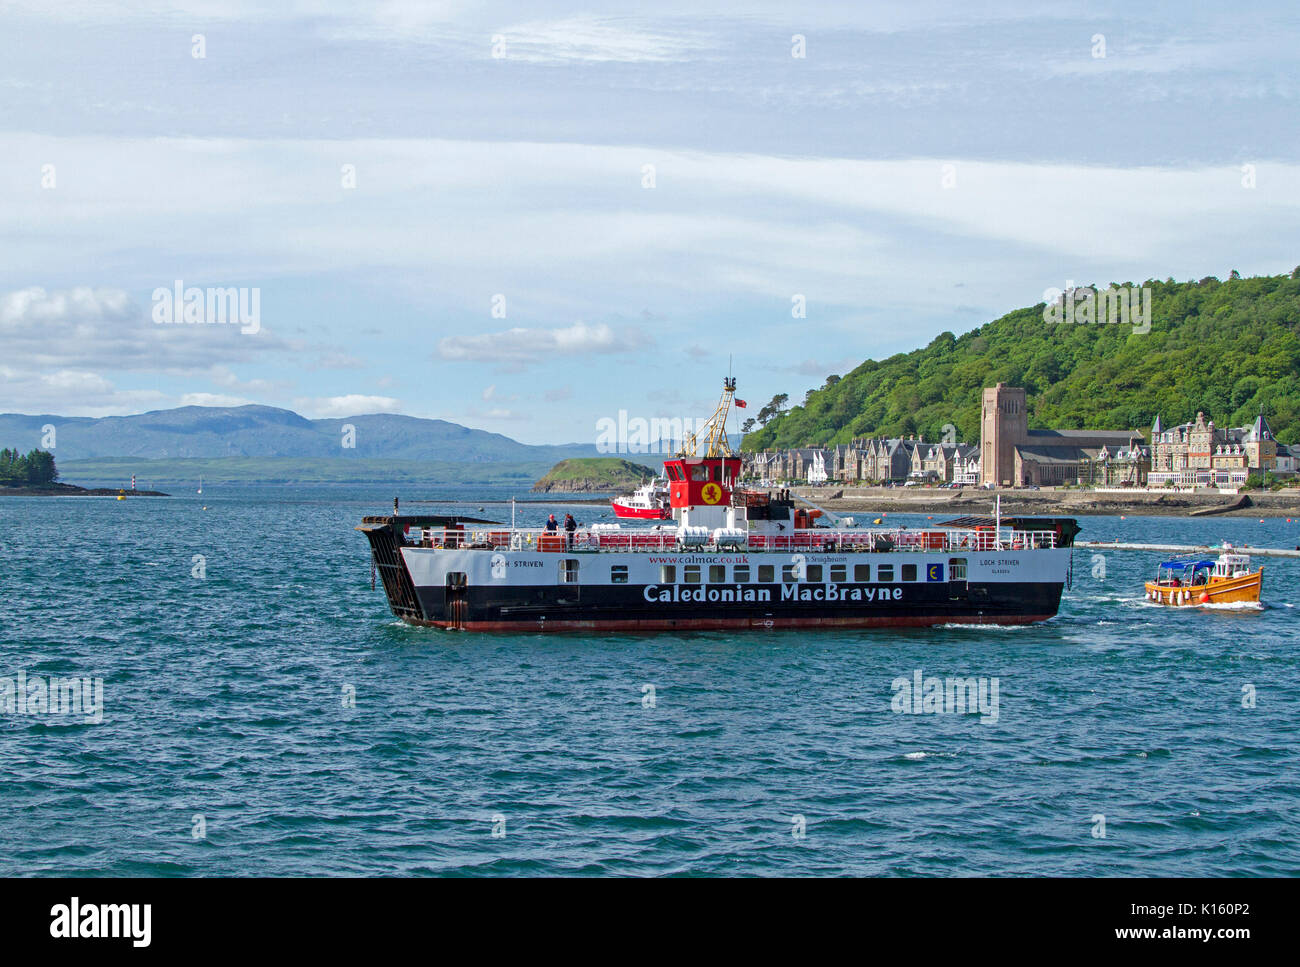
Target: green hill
column 1225, row 348
column 593, row 475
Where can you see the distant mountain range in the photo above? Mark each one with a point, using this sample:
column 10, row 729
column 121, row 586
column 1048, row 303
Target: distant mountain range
column 266, row 431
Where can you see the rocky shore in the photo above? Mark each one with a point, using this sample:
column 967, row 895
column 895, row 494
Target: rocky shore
column 70, row 490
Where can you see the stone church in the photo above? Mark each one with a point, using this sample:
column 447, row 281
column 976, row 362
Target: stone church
column 1012, row 455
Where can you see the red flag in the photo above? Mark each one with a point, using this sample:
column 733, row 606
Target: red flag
column 741, row 403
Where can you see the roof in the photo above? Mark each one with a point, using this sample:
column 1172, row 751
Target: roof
column 1179, row 565
column 1057, row 454
column 1115, row 436
column 1260, row 430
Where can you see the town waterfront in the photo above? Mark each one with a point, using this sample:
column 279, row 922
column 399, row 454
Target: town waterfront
column 265, row 714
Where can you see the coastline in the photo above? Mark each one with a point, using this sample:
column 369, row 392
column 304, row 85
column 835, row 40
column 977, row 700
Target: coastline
column 1067, row 503
column 71, row 490
column 1053, row 502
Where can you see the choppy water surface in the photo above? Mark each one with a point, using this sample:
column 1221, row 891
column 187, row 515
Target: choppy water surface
column 225, row 699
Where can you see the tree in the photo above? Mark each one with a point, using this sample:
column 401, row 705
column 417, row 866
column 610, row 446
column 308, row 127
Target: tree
column 36, row 469
column 773, row 409
column 40, row 468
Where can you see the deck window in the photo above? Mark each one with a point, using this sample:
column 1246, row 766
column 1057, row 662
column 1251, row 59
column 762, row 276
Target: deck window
column 618, row 574
column 788, row 573
column 957, row 569
column 813, row 573
column 691, row 574
column 885, row 573
column 862, row 573
column 839, row 573
column 740, row 574
column 569, row 571
column 766, row 574
column 668, row 574
column 909, row 572
column 717, row 573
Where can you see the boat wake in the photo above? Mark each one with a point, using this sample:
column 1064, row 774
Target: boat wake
column 976, row 626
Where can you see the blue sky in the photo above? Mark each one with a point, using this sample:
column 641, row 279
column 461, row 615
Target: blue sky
column 922, row 168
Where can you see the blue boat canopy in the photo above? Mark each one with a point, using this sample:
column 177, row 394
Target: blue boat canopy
column 1179, row 565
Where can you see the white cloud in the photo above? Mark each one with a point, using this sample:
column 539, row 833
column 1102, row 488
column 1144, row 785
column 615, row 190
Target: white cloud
column 350, row 405
column 213, row 399
column 99, row 327
column 524, row 347
column 69, row 392
column 596, row 40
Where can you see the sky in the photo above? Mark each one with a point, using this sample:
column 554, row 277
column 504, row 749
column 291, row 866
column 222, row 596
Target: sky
column 526, row 217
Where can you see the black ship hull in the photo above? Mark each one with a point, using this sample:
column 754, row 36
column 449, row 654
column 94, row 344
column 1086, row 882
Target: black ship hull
column 625, row 608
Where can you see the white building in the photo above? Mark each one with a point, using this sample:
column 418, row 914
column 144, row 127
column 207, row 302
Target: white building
column 817, row 468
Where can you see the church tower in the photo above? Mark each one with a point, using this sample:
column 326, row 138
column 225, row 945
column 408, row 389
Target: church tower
column 1004, row 425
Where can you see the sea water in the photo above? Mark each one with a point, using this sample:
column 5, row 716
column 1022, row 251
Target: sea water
column 264, row 714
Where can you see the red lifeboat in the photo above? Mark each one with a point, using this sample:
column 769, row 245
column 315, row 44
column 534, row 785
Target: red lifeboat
column 701, row 481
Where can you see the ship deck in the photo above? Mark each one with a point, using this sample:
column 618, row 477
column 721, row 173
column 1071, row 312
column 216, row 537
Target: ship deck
column 659, row 540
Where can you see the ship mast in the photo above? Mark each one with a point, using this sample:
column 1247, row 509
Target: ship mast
column 714, row 430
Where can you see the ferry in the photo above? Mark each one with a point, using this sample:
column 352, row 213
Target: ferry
column 1190, row 583
column 647, row 502
column 726, row 558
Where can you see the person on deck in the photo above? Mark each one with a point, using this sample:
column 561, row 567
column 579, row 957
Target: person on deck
column 570, row 526
column 552, row 525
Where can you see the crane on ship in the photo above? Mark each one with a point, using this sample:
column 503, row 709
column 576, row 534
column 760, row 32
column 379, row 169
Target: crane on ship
column 714, row 431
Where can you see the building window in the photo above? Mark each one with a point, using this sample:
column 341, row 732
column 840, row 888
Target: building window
column 813, row 573
column 618, row 574
column 862, row 573
column 740, row 574
column 717, row 573
column 839, row 573
column 766, row 574
column 668, row 574
column 885, row 573
column 909, row 572
column 691, row 574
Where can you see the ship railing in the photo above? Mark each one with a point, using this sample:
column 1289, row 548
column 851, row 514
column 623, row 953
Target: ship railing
column 947, row 541
column 943, row 541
